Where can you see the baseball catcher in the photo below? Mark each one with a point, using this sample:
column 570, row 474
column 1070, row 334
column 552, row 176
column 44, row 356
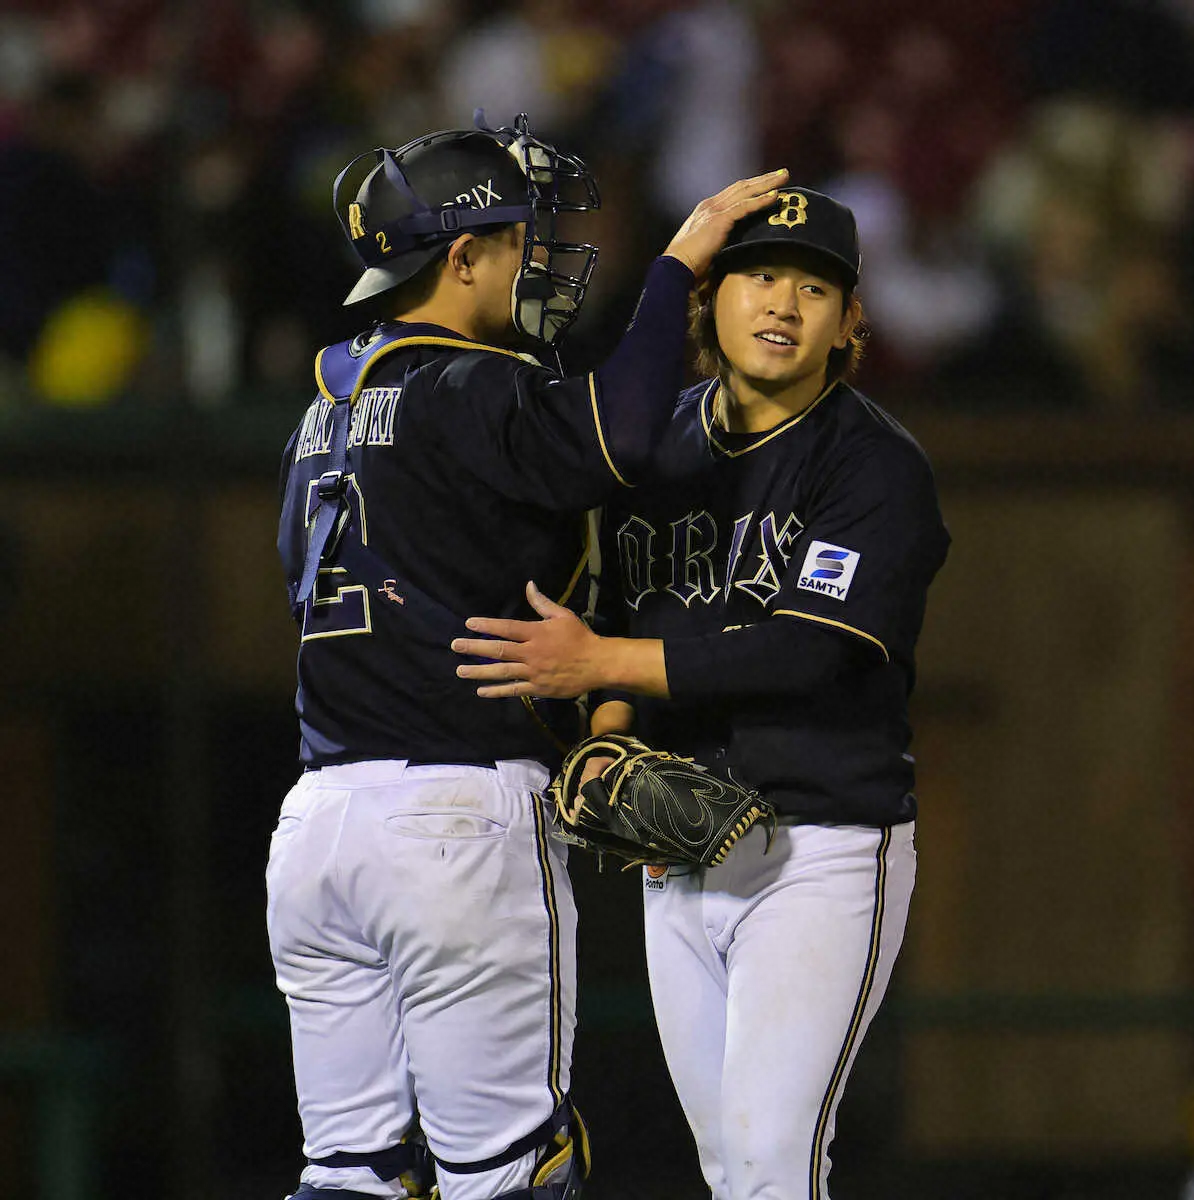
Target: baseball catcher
column 649, row 806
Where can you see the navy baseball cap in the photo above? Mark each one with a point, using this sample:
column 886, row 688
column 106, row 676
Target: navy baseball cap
column 799, row 217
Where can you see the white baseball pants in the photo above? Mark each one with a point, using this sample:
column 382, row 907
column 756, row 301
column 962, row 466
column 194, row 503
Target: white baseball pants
column 423, row 932
column 765, row 973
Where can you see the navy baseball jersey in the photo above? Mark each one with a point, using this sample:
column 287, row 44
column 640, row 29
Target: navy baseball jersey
column 472, row 469
column 786, row 572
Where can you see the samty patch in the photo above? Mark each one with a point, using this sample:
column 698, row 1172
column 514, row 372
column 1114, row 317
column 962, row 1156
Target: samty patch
column 828, row 569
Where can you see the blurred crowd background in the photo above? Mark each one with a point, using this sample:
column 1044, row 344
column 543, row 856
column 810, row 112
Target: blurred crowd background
column 1021, row 171
column 1023, row 176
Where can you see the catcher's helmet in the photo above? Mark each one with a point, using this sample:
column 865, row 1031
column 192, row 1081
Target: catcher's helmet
column 418, row 199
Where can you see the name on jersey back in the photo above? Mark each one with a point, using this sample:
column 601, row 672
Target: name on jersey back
column 372, row 423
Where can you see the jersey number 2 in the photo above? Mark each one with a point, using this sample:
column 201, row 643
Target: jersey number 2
column 338, row 607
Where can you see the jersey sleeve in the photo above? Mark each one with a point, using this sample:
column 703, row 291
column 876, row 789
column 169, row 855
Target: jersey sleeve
column 634, row 390
column 872, row 542
column 569, row 443
column 771, row 658
column 854, row 588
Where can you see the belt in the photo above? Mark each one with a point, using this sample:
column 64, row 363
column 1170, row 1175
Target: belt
column 453, row 762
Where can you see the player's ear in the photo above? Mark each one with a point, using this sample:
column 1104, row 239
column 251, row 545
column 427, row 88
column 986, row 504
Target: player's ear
column 850, row 318
column 462, row 257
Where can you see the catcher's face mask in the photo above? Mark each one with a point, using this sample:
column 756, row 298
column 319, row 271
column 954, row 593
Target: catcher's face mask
column 418, row 199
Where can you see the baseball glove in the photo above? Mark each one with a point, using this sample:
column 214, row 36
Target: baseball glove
column 649, row 806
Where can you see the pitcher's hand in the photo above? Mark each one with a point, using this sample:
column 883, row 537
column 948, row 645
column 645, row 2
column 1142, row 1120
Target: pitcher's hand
column 593, row 768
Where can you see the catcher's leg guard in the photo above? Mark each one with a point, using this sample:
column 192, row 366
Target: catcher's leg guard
column 409, row 1162
column 307, row 1192
column 559, row 1170
column 562, row 1167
